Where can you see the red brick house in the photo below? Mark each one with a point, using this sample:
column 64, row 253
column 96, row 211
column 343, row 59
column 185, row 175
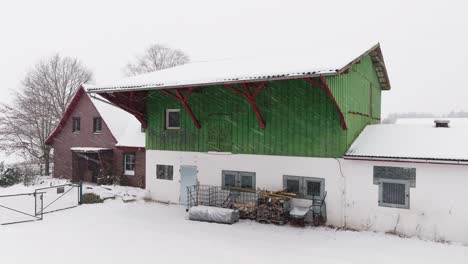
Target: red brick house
column 98, row 142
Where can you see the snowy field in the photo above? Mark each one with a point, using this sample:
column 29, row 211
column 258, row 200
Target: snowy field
column 145, row 232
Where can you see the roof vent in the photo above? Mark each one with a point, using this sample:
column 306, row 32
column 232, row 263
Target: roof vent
column 442, row 123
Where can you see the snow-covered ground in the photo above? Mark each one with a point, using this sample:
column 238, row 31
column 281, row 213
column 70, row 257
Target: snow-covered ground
column 115, row 232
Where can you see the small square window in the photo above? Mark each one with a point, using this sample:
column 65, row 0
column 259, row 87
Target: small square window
column 164, row 172
column 173, row 119
column 292, row 186
column 76, row 124
column 246, row 181
column 394, row 193
column 238, row 179
column 97, row 125
column 230, row 180
column 313, row 188
column 304, row 187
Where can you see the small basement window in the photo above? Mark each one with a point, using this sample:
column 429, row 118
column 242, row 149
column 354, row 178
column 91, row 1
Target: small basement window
column 394, row 185
column 97, row 125
column 240, row 179
column 164, row 172
column 394, row 193
column 173, row 119
column 304, row 187
column 129, row 164
column 76, row 126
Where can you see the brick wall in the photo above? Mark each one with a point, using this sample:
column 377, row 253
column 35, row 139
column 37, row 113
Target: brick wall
column 66, row 139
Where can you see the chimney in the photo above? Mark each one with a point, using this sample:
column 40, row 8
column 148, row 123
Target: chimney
column 441, row 123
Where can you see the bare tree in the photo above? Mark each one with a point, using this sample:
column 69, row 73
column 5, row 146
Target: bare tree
column 156, row 57
column 37, row 107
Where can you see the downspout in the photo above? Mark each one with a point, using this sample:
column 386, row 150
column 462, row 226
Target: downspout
column 343, row 198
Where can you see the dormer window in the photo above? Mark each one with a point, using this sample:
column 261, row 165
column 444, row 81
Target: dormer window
column 97, row 125
column 76, row 126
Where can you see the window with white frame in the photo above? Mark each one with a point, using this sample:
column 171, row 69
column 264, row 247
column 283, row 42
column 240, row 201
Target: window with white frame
column 164, row 172
column 304, row 187
column 172, row 118
column 129, row 164
column 240, row 179
column 394, row 185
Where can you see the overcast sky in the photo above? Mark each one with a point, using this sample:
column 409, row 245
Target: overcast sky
column 424, row 42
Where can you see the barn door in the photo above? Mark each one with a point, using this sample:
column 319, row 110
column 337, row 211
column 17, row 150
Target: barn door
column 220, row 133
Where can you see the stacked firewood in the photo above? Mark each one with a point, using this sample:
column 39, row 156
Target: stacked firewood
column 247, row 210
column 273, row 207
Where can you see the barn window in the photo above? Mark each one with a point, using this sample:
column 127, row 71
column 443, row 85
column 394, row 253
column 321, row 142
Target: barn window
column 173, row 119
column 164, row 172
column 76, row 126
column 304, row 187
column 97, row 125
column 394, row 185
column 129, row 164
column 394, row 193
column 240, row 179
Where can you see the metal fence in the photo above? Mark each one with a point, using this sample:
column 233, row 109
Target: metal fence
column 27, row 207
column 20, row 208
column 226, row 197
column 60, row 197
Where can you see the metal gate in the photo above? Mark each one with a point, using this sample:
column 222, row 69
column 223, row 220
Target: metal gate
column 60, row 197
column 27, row 207
column 20, row 208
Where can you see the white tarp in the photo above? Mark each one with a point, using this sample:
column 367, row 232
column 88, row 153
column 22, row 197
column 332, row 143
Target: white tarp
column 213, row 214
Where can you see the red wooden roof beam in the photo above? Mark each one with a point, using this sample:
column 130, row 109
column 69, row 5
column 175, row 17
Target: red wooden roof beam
column 247, row 94
column 322, row 85
column 179, row 96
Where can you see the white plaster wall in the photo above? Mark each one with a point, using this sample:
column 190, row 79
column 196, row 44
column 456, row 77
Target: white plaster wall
column 269, row 174
column 438, row 204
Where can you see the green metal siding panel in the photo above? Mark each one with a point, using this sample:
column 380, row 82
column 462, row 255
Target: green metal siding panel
column 300, row 119
column 358, row 93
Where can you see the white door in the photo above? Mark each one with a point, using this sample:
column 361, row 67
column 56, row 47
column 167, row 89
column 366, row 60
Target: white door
column 188, row 177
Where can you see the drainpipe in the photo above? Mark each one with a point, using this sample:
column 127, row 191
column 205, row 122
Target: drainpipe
column 343, row 199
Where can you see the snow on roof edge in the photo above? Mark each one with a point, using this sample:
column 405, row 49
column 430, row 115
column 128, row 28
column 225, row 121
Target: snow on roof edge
column 206, row 73
column 125, row 128
column 410, row 142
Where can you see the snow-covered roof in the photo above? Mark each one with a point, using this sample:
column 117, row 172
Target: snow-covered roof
column 414, row 142
column 313, row 64
column 458, row 121
column 124, row 126
column 88, row 149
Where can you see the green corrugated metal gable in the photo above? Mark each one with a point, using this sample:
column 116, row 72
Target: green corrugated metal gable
column 300, row 119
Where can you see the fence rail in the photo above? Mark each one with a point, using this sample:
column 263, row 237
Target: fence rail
column 27, row 207
column 60, row 197
column 17, row 208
